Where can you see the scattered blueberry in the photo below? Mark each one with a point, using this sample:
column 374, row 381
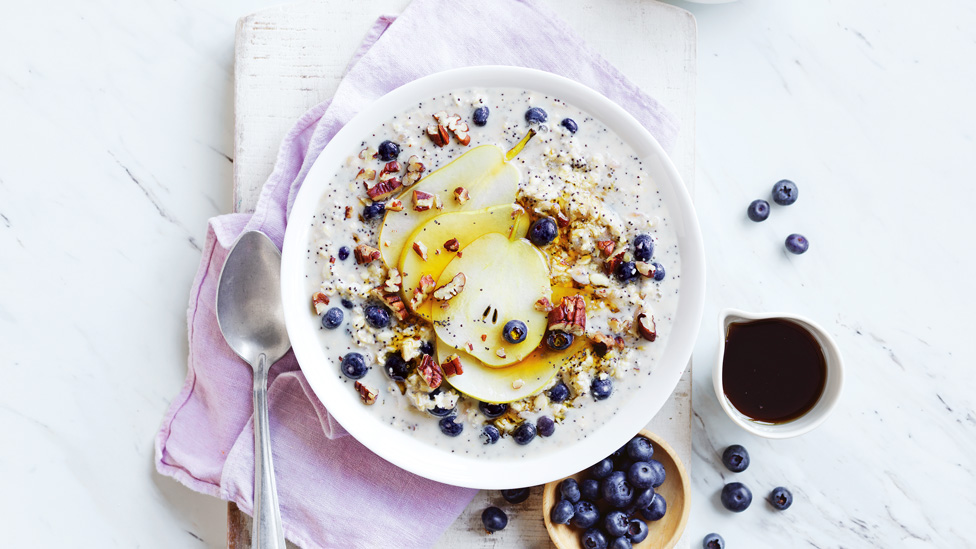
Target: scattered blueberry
column 585, row 514
column 437, row 411
column 713, row 541
column 492, row 411
column 374, row 211
column 377, row 316
column 524, row 433
column 590, row 489
column 569, row 124
column 347, row 304
column 494, row 519
column 514, row 331
column 785, row 192
column 622, row 542
column 562, row 512
column 343, row 253
column 601, row 388
column 559, row 392
column 388, row 151
column 736, row 497
column 601, row 469
column 332, row 318
column 643, row 247
column 627, row 270
column 657, row 509
column 735, row 458
column 797, row 244
column 569, row 490
column 427, row 347
column 758, row 210
column 545, row 426
column 396, row 368
column 658, row 469
column 490, row 434
column 641, row 475
column 781, row 498
column 535, row 115
column 637, row 530
column 515, row 495
column 480, row 116
column 594, row 539
column 543, row 231
column 450, row 428
column 658, row 271
column 559, row 341
column 616, row 490
column 640, row 449
column 615, row 523
column 643, row 498
column 353, row 365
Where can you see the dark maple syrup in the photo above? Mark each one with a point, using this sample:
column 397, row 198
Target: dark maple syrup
column 774, row 370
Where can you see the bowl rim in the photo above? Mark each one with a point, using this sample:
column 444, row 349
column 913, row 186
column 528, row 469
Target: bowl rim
column 424, row 459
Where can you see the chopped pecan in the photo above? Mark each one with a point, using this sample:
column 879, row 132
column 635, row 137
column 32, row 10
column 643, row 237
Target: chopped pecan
column 569, row 316
column 484, row 337
column 603, row 343
column 368, row 153
column 415, row 170
column 605, row 246
column 452, row 245
column 562, row 219
column 365, row 175
column 610, row 265
column 422, row 201
column 500, row 352
column 461, row 195
column 383, row 189
column 452, row 367
column 366, row 254
column 438, row 135
column 451, row 289
column 392, row 302
column 421, row 292
column 437, row 202
column 390, row 167
column 366, row 393
column 544, row 305
column 429, row 371
column 319, row 302
column 394, row 205
column 348, row 212
column 646, row 326
column 647, row 270
column 393, row 281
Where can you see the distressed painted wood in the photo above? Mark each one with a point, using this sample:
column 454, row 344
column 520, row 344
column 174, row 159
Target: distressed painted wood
column 291, row 57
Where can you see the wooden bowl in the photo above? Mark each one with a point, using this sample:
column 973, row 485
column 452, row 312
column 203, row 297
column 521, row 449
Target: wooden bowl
column 661, row 534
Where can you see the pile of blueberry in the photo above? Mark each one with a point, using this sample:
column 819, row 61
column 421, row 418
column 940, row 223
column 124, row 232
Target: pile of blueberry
column 785, row 193
column 606, row 504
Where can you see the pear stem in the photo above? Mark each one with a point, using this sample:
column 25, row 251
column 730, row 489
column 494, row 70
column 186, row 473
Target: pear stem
column 513, row 152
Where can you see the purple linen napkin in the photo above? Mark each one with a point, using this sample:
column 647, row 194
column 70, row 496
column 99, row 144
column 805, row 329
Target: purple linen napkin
column 332, row 490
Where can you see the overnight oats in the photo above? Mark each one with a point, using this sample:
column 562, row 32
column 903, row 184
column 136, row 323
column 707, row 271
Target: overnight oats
column 493, row 271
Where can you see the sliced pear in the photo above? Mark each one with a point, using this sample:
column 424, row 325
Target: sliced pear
column 510, row 220
column 503, row 280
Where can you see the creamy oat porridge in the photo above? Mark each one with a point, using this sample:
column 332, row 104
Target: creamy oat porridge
column 488, row 272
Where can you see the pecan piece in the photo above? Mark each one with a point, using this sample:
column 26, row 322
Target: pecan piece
column 394, row 205
column 365, row 175
column 452, row 245
column 451, row 289
column 319, row 302
column 452, row 367
column 415, row 170
column 421, row 292
column 602, row 343
column 562, row 220
column 610, row 265
column 544, row 305
column 392, row 302
column 429, row 371
column 422, row 201
column 438, row 135
column 461, row 195
column 368, row 153
column 393, row 281
column 605, row 246
column 421, row 249
column 348, row 212
column 647, row 270
column 501, row 354
column 366, row 254
column 569, row 316
column 366, row 393
column 646, row 326
column 383, row 189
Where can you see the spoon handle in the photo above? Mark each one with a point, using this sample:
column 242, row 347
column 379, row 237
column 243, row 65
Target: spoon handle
column 267, row 532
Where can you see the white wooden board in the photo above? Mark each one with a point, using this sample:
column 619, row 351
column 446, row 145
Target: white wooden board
column 291, row 57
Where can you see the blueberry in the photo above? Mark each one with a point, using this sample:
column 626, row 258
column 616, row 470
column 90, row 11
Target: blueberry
column 797, row 244
column 480, row 116
column 347, row 304
column 736, row 497
column 559, row 392
column 490, row 434
column 353, row 365
column 637, row 530
column 590, row 489
column 657, row 509
column 494, row 519
column 535, row 115
column 427, row 347
column 388, row 151
column 641, row 475
column 626, row 271
column 640, row 449
column 620, row 543
column 569, row 490
column 658, row 470
column 569, row 124
column 332, row 318
column 781, row 498
column 593, row 539
column 514, row 331
column 437, row 411
column 515, row 495
column 343, row 253
column 601, row 388
column 543, row 231
column 585, row 514
column 559, row 341
column 735, row 458
column 643, row 247
column 396, row 368
column 450, row 428
column 758, row 210
column 377, row 316
column 562, row 512
column 615, row 523
column 492, row 411
column 620, row 452
column 524, row 433
column 713, row 541
column 658, row 271
column 616, row 490
column 374, row 211
column 785, row 192
column 622, row 464
column 643, row 498
column 545, row 426
column 601, row 469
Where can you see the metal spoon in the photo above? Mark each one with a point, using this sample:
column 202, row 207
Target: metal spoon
column 251, row 318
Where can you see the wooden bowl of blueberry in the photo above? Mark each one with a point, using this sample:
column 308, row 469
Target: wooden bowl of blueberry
column 638, row 496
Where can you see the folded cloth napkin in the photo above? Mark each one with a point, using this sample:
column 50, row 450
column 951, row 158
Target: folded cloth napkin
column 333, row 491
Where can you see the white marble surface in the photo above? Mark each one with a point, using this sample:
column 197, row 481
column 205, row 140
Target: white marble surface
column 115, row 135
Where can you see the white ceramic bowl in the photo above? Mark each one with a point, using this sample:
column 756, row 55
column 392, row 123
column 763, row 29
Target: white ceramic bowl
column 816, row 415
column 413, row 454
